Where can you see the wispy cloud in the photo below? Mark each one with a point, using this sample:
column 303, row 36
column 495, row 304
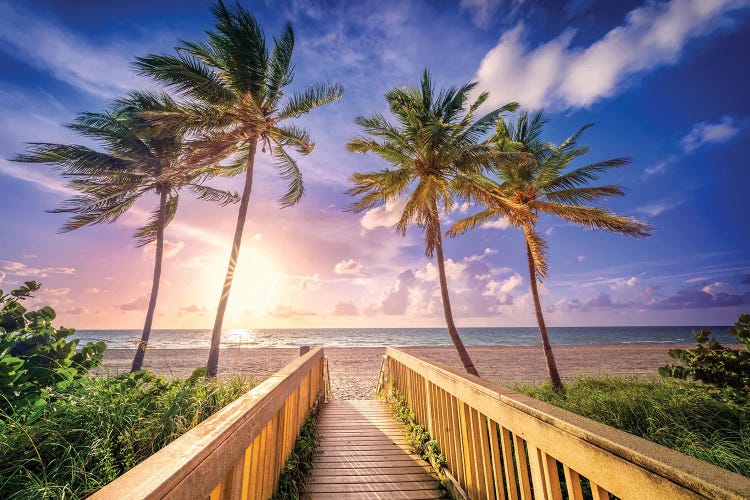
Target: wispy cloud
column 556, row 73
column 100, row 69
column 701, row 134
column 710, row 133
column 659, row 208
column 14, row 268
column 485, row 12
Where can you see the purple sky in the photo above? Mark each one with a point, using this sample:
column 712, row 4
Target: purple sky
column 665, row 83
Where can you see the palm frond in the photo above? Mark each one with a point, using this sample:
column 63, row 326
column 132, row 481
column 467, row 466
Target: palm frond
column 595, row 218
column 281, row 71
column 220, row 196
column 148, row 232
column 471, row 222
column 290, row 172
column 580, row 195
column 186, row 74
column 315, row 96
column 538, row 249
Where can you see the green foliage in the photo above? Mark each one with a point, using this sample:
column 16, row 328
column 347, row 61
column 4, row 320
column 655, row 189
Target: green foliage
column 36, row 359
column 298, row 468
column 102, row 427
column 724, row 368
column 416, row 435
column 677, row 414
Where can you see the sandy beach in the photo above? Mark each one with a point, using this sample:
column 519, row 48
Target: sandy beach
column 354, row 370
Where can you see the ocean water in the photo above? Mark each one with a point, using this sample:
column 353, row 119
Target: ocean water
column 376, row 337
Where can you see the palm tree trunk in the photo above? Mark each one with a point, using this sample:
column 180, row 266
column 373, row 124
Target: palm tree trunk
column 462, row 353
column 212, row 366
column 549, row 357
column 141, row 351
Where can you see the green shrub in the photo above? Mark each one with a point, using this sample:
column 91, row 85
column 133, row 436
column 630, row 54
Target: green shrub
column 36, row 360
column 710, row 362
column 677, row 414
column 416, row 435
column 298, row 467
column 86, row 437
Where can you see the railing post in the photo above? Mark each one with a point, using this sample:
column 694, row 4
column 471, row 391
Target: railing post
column 428, row 401
column 304, row 349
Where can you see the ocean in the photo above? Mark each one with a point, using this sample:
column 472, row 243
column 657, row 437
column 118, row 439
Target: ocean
column 377, row 337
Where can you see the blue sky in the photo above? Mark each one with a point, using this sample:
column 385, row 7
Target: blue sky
column 665, row 83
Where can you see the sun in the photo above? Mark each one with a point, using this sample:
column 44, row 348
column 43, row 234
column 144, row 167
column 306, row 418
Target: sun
column 257, row 285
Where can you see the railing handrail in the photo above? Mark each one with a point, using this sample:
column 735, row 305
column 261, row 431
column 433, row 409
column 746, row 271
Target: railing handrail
column 688, row 472
column 193, row 464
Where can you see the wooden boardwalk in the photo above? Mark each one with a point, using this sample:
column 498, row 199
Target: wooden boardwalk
column 363, row 455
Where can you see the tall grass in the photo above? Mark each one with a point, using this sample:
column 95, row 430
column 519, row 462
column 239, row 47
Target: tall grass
column 677, row 414
column 91, row 434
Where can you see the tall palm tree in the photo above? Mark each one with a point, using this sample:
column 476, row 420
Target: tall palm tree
column 235, row 90
column 535, row 179
column 137, row 159
column 435, row 137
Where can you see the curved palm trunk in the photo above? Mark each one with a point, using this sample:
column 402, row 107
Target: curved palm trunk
column 549, row 357
column 212, row 366
column 462, row 353
column 141, row 351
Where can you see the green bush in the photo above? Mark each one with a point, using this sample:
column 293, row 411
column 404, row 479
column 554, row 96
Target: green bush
column 95, row 431
column 678, row 414
column 298, row 467
column 36, row 360
column 721, row 367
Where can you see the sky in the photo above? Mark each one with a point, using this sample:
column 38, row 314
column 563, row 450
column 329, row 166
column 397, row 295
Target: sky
column 665, row 82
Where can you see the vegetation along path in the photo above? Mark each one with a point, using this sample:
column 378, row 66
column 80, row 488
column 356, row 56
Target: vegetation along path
column 363, row 455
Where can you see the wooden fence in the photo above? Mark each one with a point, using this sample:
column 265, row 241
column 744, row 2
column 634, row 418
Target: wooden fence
column 237, row 453
column 501, row 444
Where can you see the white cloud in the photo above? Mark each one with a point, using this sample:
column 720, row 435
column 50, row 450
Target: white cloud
column 2, row 276
column 622, row 283
column 501, row 223
column 481, row 256
column 581, row 258
column 171, row 249
column 345, row 308
column 192, row 309
column 310, row 282
column 709, row 133
column 556, row 73
column 20, row 269
column 57, row 292
column 75, row 311
column 283, row 311
column 348, row 266
column 101, row 69
column 384, row 216
column 657, row 168
column 93, row 291
column 716, row 287
column 137, row 304
column 658, row 208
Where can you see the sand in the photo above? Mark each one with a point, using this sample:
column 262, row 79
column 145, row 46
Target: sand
column 354, row 370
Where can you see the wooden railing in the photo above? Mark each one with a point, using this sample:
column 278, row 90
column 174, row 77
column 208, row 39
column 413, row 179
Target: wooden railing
column 501, row 444
column 237, row 453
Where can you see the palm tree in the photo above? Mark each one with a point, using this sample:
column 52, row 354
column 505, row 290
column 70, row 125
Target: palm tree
column 235, row 90
column 535, row 179
column 435, row 137
column 138, row 159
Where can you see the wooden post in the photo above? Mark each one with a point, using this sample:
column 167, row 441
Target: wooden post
column 304, row 349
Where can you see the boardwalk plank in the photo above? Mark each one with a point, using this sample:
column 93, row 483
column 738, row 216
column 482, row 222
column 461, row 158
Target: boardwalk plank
column 363, row 454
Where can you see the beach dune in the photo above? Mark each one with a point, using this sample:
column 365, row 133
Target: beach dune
column 354, row 370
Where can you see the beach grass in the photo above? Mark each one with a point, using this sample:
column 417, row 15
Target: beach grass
column 677, row 414
column 91, row 434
